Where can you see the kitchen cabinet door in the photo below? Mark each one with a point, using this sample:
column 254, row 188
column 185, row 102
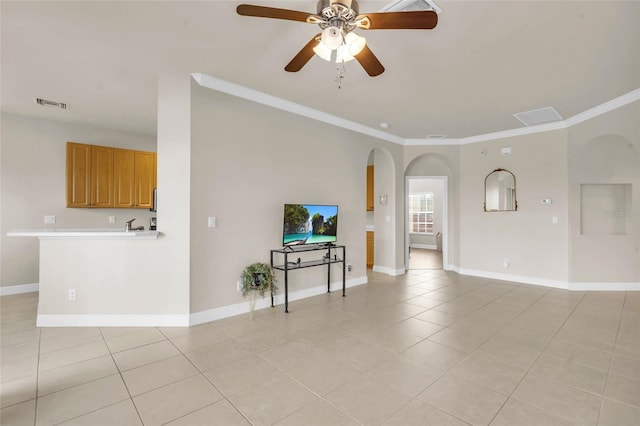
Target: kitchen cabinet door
column 370, row 188
column 124, row 173
column 370, row 236
column 145, row 178
column 78, row 175
column 102, row 176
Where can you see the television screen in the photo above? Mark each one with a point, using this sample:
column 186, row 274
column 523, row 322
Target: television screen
column 309, row 224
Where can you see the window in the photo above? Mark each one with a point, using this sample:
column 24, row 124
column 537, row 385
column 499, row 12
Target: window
column 421, row 213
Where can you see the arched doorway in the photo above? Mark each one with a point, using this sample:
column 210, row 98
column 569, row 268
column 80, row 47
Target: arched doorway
column 432, row 169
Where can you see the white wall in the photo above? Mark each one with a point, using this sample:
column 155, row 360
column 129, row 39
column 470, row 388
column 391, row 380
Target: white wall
column 33, row 184
column 535, row 247
column 606, row 150
column 247, row 161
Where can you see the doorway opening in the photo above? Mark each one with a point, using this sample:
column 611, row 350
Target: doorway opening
column 426, row 222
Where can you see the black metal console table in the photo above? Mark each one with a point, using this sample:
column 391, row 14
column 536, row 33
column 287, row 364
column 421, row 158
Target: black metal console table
column 332, row 255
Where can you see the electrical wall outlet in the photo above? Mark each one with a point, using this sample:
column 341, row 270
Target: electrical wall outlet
column 72, row 294
column 49, row 219
column 211, row 222
column 505, row 263
column 112, row 219
column 239, row 285
column 348, row 267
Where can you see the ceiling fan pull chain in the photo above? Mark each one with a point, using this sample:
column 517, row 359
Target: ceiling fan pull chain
column 341, row 70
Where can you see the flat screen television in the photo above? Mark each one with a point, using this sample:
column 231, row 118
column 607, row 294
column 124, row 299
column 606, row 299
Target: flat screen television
column 309, row 224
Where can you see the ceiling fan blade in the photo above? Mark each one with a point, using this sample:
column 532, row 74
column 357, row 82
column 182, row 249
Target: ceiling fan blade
column 413, row 20
column 272, row 12
column 369, row 62
column 303, row 56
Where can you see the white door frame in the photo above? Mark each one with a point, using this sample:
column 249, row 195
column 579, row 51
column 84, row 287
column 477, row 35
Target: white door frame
column 445, row 218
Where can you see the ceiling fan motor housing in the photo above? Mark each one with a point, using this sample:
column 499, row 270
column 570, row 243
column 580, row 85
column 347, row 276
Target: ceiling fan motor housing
column 338, row 13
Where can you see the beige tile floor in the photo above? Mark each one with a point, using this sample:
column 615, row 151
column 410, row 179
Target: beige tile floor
column 425, row 259
column 427, row 348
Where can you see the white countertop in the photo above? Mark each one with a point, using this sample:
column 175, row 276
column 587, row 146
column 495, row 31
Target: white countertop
column 83, row 233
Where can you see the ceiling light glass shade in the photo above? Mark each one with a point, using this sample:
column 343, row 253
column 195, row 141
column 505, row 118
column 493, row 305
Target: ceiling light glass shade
column 354, row 44
column 323, row 51
column 332, row 37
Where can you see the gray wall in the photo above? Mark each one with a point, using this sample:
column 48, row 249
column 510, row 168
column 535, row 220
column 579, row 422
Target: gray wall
column 247, row 161
column 33, row 184
column 243, row 161
column 606, row 150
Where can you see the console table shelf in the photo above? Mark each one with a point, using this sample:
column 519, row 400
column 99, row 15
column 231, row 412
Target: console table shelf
column 333, row 254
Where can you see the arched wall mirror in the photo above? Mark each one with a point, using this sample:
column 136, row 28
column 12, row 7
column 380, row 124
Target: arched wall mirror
column 500, row 191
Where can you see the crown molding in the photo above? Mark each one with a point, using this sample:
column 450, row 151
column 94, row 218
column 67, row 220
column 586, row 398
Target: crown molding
column 220, row 85
column 239, row 91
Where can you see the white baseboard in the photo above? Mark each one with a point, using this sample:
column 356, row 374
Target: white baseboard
column 424, row 246
column 623, row 286
column 263, row 303
column 178, row 320
column 18, row 289
column 567, row 285
column 389, row 271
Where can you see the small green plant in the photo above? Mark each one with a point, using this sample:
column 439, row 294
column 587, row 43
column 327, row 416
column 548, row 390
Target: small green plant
column 258, row 277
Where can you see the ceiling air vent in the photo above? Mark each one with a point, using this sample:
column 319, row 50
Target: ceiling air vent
column 538, row 116
column 51, row 104
column 411, row 5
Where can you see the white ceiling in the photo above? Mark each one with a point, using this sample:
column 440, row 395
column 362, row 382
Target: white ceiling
column 483, row 62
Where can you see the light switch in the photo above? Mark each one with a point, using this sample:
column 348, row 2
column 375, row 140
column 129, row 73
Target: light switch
column 554, row 220
column 212, row 222
column 546, row 201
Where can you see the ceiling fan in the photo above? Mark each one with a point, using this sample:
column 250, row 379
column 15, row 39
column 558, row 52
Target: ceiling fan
column 337, row 41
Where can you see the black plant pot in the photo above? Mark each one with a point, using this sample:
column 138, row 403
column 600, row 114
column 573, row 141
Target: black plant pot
column 256, row 280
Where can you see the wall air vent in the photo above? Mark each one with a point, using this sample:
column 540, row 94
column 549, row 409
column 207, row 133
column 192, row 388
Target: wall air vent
column 436, row 136
column 538, row 116
column 411, row 5
column 51, row 104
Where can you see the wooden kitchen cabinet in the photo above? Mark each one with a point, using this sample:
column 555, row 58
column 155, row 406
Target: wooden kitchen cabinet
column 78, row 175
column 134, row 178
column 101, row 176
column 369, row 249
column 370, row 202
column 104, row 177
column 123, row 175
column 144, row 178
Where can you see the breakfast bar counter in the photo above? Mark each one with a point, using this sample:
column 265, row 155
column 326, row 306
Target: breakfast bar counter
column 106, row 277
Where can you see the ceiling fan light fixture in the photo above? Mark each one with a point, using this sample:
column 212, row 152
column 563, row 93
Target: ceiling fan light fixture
column 342, row 55
column 332, row 37
column 322, row 51
column 354, row 43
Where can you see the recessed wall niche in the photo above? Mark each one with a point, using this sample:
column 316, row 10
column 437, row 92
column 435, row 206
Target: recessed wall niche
column 605, row 209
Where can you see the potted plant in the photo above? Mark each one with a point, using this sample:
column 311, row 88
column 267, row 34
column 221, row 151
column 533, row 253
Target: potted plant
column 258, row 278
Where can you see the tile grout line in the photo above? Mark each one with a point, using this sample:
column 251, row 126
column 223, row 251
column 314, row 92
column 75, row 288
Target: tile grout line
column 35, row 408
column 534, row 363
column 201, row 373
column 121, row 377
column 613, row 354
